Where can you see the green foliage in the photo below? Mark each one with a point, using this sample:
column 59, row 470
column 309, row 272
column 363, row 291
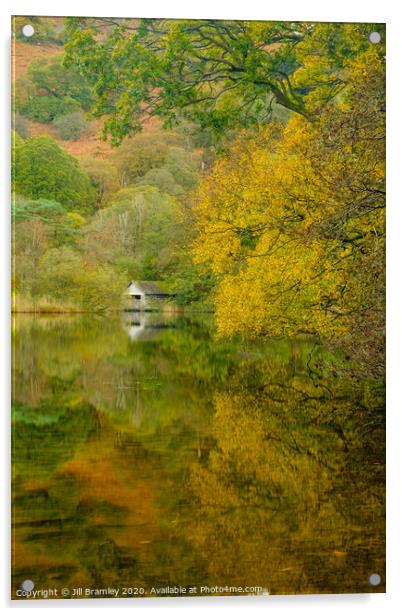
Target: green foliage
column 139, row 227
column 157, row 159
column 63, row 273
column 100, row 288
column 16, row 140
column 48, row 211
column 128, row 266
column 60, row 258
column 58, row 271
column 205, row 79
column 141, row 153
column 183, row 167
column 43, row 169
column 51, row 91
column 40, row 226
column 61, row 223
column 220, row 74
column 50, row 75
column 23, row 91
column 285, row 235
column 46, row 107
column 70, row 126
column 163, row 180
column 104, row 178
column 192, row 284
column 194, row 135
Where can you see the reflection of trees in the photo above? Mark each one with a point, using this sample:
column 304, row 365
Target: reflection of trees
column 102, row 505
column 278, row 447
column 291, row 496
column 151, row 380
column 87, row 471
column 46, row 435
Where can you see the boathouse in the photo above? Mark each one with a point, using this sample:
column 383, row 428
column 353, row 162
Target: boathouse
column 145, row 295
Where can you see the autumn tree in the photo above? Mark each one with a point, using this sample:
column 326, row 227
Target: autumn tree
column 291, row 220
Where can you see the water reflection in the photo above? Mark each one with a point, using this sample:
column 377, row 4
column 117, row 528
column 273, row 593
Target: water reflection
column 148, row 454
column 146, row 325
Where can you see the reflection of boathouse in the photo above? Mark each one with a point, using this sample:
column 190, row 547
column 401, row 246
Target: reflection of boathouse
column 145, row 295
column 145, row 326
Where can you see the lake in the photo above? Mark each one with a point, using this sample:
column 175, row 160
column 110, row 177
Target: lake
column 148, row 455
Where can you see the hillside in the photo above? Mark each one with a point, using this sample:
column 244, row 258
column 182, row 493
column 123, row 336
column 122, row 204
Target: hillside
column 90, row 142
column 24, row 53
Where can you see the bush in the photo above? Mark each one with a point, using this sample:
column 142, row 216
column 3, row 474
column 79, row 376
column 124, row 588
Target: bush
column 46, row 107
column 50, row 75
column 70, row 126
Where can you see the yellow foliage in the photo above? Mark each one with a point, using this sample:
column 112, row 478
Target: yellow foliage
column 287, row 215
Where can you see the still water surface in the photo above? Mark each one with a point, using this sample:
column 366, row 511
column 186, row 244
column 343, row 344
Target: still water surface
column 147, row 455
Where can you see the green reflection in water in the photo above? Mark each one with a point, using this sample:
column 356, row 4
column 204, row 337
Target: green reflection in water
column 147, row 454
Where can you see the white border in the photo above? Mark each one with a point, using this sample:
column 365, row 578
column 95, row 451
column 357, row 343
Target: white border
column 309, row 10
